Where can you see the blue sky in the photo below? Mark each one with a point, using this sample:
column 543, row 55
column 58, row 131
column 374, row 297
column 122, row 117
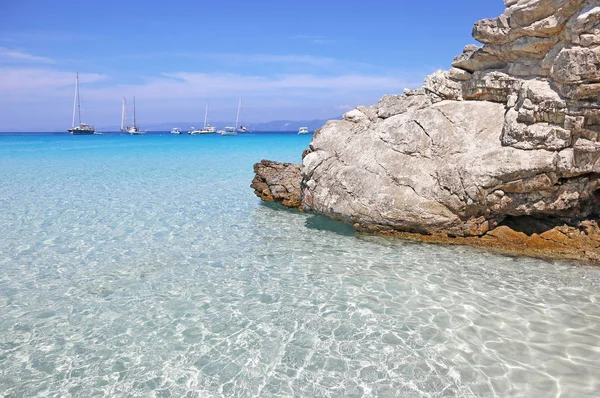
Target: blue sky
column 287, row 59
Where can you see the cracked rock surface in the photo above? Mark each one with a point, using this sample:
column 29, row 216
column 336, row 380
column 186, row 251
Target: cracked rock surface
column 512, row 130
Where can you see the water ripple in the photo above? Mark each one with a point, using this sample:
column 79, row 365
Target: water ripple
column 135, row 272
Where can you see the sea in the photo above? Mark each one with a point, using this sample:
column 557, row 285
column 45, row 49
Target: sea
column 145, row 266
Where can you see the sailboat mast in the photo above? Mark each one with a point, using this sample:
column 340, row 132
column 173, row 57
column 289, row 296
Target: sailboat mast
column 78, row 103
column 205, row 114
column 134, row 111
column 75, row 99
column 123, row 115
column 237, row 118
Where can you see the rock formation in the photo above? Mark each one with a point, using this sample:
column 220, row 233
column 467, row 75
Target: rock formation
column 278, row 182
column 511, row 131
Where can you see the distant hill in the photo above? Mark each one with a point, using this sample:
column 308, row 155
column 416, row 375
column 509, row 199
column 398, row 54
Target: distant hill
column 289, row 125
column 275, row 125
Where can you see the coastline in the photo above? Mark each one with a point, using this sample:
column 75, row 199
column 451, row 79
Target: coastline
column 559, row 243
column 280, row 183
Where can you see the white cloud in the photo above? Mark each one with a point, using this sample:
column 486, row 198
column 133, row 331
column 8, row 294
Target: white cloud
column 13, row 56
column 276, row 58
column 199, row 85
column 254, row 58
column 28, row 82
column 181, row 95
column 315, row 39
column 25, row 83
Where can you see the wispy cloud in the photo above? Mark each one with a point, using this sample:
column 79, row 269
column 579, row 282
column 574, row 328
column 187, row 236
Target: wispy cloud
column 177, row 95
column 228, row 62
column 14, row 56
column 254, row 58
column 30, row 35
column 36, row 82
column 26, row 82
column 315, row 39
column 276, row 58
column 200, row 85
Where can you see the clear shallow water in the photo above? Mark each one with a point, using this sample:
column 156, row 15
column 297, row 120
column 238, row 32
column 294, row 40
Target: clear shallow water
column 145, row 266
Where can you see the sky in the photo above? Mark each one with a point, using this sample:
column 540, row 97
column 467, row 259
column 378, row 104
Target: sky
column 294, row 60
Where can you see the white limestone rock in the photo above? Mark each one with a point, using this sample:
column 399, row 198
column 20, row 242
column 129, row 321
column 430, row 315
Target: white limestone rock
column 391, row 105
column 443, row 86
column 355, row 116
column 475, row 58
column 512, row 129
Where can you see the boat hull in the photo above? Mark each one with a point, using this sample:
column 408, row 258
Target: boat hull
column 81, row 132
column 134, row 131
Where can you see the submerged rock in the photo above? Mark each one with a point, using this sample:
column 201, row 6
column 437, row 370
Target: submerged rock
column 512, row 131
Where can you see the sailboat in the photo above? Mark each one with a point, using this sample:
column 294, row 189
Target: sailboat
column 207, row 129
column 82, row 129
column 133, row 130
column 240, row 128
column 235, row 130
column 228, row 131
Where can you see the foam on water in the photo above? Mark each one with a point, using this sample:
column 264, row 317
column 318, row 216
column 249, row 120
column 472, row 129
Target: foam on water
column 145, row 266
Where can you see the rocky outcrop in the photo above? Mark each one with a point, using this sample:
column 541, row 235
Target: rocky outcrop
column 536, row 237
column 511, row 131
column 278, row 182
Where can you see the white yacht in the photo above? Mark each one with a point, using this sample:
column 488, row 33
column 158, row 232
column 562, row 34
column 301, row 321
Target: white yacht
column 175, row 130
column 82, row 128
column 303, row 130
column 228, row 131
column 208, row 129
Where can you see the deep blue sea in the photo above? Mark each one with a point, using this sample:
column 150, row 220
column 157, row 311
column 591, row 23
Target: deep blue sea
column 144, row 266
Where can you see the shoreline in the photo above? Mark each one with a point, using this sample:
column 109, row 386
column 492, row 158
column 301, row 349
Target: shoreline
column 560, row 243
column 280, row 183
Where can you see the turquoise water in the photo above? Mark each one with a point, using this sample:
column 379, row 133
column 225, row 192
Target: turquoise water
column 145, row 266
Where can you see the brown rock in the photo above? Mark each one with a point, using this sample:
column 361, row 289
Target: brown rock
column 579, row 242
column 278, row 182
